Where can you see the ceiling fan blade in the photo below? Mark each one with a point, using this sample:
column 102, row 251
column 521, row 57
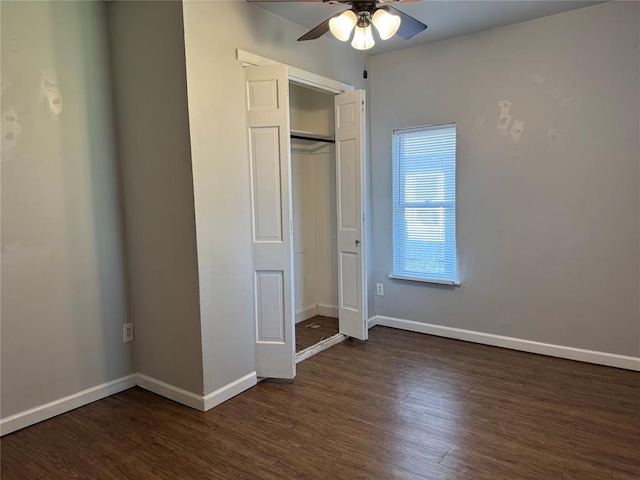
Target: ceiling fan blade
column 318, row 30
column 409, row 26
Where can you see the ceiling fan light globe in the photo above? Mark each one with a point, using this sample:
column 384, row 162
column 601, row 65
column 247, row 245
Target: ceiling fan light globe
column 342, row 25
column 363, row 38
column 386, row 23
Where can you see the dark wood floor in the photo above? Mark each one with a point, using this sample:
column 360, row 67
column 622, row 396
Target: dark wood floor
column 306, row 337
column 402, row 405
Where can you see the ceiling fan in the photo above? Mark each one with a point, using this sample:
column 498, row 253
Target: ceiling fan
column 388, row 21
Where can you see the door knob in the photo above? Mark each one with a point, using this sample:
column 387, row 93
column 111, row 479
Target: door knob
column 357, row 242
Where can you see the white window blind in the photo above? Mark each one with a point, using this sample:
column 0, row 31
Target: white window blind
column 424, row 204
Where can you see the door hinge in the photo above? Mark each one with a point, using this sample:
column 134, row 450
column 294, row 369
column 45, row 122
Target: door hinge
column 290, row 227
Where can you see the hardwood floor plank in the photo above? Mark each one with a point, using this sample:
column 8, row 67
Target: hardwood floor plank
column 306, row 336
column 400, row 406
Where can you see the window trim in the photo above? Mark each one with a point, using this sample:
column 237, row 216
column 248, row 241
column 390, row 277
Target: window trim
column 417, row 278
column 410, row 278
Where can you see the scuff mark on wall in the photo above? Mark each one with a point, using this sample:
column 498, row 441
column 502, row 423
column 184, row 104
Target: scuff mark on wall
column 50, row 90
column 570, row 102
column 16, row 46
column 566, row 100
column 539, row 77
column 517, row 129
column 505, row 116
column 11, row 130
column 554, row 138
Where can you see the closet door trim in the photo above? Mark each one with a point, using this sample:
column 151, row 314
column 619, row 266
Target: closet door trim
column 296, row 75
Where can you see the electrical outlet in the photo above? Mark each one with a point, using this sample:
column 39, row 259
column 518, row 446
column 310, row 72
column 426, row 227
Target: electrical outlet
column 379, row 290
column 127, row 332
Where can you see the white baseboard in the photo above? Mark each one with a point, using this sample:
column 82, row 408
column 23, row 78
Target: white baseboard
column 63, row 405
column 328, row 311
column 171, row 392
column 193, row 400
column 372, row 322
column 316, row 309
column 66, row 404
column 319, row 347
column 230, row 390
column 306, row 313
column 571, row 353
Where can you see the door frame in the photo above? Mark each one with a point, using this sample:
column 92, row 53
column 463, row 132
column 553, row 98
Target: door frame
column 296, row 75
column 328, row 85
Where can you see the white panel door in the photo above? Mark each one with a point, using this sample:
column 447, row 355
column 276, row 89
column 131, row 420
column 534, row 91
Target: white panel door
column 350, row 205
column 267, row 90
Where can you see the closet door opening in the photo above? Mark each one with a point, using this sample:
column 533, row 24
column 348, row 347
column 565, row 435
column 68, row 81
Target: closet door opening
column 313, row 175
column 307, row 176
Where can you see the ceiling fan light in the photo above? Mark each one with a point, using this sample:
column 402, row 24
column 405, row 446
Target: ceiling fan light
column 363, row 38
column 386, row 23
column 342, row 25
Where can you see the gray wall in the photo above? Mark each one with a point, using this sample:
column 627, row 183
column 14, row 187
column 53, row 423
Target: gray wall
column 63, row 283
column 548, row 221
column 213, row 30
column 153, row 132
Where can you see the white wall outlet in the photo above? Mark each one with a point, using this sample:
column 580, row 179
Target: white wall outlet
column 127, row 332
column 379, row 289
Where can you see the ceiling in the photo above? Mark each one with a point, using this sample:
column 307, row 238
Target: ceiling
column 445, row 19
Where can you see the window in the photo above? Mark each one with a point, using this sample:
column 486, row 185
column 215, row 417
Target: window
column 424, row 204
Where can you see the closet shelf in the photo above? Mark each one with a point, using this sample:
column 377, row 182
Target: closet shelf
column 302, row 135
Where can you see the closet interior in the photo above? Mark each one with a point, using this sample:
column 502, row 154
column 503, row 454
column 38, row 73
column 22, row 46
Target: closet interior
column 313, row 175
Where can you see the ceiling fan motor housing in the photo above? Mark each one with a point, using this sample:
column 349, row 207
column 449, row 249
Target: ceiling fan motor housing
column 357, row 6
column 386, row 21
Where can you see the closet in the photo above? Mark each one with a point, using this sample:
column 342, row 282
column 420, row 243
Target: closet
column 313, row 178
column 306, row 150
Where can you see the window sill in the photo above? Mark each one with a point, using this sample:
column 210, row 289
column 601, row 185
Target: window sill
column 424, row 280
